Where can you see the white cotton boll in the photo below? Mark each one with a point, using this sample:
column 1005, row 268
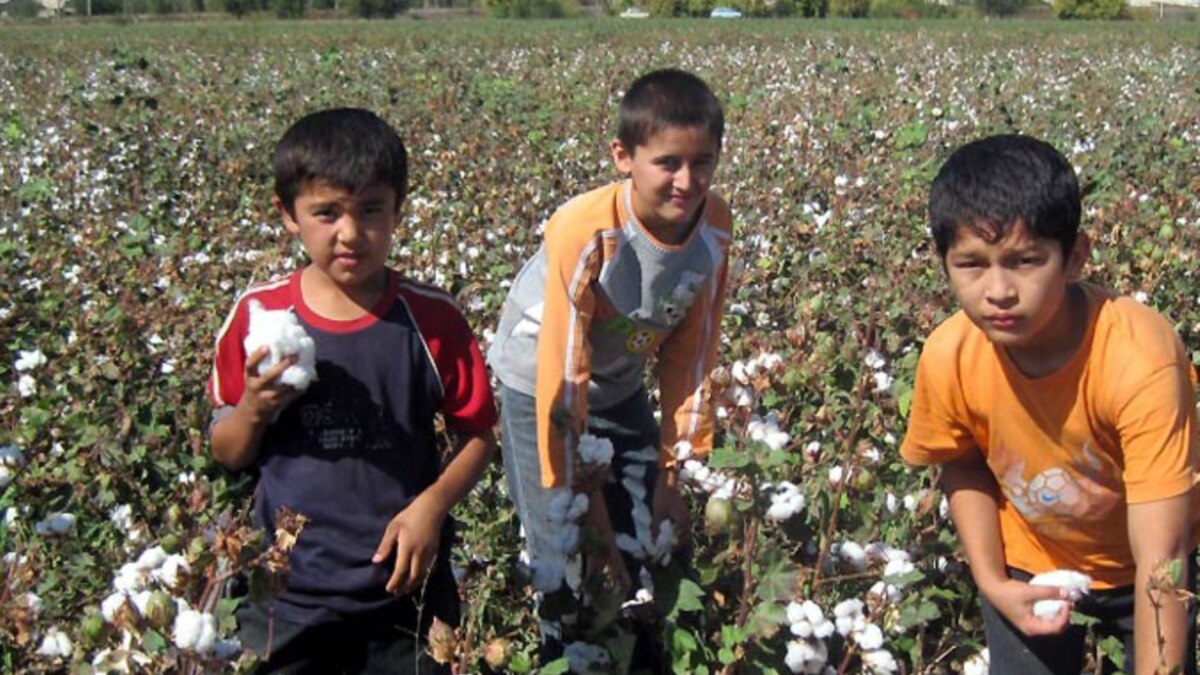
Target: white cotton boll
column 31, row 602
column 1076, row 584
column 595, row 450
column 110, row 606
column 910, row 502
column 802, row 629
column 173, row 571
column 978, row 664
column 824, row 629
column 587, row 658
column 121, row 516
column 152, row 558
column 56, row 645
column 806, row 657
column 870, row 637
column 739, row 373
column 885, row 592
column 944, row 508
column 854, row 555
column 875, row 360
column 141, row 600
column 6, row 476
column 897, row 568
column 281, row 333
column 683, row 451
column 195, row 631
column 891, row 504
column 883, row 381
column 835, row 476
column 880, row 662
column 26, row 386
column 56, row 525
column 29, row 360
column 635, row 488
column 130, row 578
column 11, row 455
column 851, row 607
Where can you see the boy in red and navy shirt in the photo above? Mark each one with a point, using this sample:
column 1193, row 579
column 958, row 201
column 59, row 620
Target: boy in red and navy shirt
column 356, row 452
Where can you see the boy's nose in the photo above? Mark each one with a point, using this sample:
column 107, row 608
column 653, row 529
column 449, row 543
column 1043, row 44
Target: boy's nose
column 349, row 230
column 1000, row 289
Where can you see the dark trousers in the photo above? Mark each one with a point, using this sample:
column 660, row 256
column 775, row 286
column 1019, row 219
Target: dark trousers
column 1013, row 653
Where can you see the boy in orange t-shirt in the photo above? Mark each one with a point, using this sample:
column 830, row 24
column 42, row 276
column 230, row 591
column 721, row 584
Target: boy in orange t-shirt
column 1062, row 416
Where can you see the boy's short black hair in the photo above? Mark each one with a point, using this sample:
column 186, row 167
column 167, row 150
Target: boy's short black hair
column 663, row 98
column 991, row 184
column 350, row 148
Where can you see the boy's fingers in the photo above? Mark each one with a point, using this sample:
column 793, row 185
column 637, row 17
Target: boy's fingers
column 276, row 371
column 402, row 570
column 255, row 359
column 385, row 545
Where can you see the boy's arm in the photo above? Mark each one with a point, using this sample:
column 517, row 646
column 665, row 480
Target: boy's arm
column 973, row 493
column 237, row 435
column 415, row 532
column 1159, row 532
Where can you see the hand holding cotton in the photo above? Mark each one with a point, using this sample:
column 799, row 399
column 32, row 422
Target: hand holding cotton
column 1076, row 584
column 281, row 333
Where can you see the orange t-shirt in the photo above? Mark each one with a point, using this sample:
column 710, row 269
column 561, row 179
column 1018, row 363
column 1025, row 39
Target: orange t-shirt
column 1116, row 425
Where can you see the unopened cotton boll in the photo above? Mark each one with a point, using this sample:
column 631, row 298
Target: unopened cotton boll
column 281, row 333
column 1076, row 584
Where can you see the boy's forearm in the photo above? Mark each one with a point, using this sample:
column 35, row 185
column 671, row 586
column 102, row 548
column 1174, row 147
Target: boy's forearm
column 236, row 438
column 471, row 458
column 1160, row 532
column 971, row 491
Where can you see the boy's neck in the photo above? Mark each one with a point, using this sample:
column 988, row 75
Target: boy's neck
column 1061, row 340
column 340, row 303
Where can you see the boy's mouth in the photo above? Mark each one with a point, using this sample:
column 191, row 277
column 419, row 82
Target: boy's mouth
column 1004, row 321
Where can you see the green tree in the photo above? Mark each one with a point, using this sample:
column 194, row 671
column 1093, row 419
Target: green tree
column 1090, row 9
column 998, row 7
column 289, row 9
column 850, row 8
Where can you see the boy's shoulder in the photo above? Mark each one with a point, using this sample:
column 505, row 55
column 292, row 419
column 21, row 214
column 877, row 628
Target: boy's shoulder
column 274, row 293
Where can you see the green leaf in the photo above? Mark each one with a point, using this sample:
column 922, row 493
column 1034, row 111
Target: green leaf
column 1114, row 649
column 153, row 641
column 728, row 458
column 1078, row 619
column 690, row 599
column 556, row 667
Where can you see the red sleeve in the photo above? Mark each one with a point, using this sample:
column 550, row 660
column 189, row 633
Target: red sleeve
column 227, row 380
column 467, row 403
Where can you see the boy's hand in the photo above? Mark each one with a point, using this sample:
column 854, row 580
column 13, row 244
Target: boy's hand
column 265, row 395
column 414, row 534
column 1015, row 599
column 668, row 504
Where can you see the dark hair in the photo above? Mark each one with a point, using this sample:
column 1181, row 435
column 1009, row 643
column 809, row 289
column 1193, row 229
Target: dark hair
column 991, row 184
column 346, row 147
column 665, row 98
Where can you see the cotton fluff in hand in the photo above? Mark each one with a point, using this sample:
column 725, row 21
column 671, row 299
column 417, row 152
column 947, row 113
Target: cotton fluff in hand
column 282, row 334
column 1076, row 584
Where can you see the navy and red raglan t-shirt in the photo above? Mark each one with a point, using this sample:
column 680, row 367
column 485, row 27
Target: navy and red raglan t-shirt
column 358, row 445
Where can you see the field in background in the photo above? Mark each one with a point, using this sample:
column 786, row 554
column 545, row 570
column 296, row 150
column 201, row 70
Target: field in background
column 134, row 206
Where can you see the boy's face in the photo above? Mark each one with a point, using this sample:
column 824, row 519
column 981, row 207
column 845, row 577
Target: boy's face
column 346, row 234
column 1014, row 289
column 671, row 174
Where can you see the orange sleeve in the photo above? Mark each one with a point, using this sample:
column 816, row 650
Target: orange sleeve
column 1157, row 428
column 938, row 426
column 573, row 256
column 685, row 360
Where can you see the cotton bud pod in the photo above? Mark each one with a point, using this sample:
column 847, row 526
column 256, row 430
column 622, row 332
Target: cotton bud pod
column 497, row 654
column 864, row 480
column 93, row 627
column 718, row 516
column 160, row 610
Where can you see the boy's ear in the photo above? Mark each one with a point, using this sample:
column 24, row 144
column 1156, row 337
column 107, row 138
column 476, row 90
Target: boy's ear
column 288, row 220
column 622, row 156
column 1079, row 256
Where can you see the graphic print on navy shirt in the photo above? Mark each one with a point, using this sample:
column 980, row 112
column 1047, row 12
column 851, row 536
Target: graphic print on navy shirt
column 359, row 444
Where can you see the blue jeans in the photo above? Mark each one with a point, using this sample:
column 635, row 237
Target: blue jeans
column 1014, row 653
column 631, row 428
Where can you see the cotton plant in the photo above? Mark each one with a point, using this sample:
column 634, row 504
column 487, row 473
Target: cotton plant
column 11, row 459
column 283, row 336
